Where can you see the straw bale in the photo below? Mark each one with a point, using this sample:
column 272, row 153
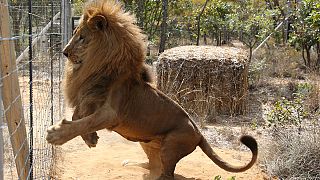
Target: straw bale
column 206, row 80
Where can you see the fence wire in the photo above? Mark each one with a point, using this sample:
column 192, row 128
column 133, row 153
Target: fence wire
column 39, row 71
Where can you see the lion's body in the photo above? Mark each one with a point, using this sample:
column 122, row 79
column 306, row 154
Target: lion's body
column 110, row 87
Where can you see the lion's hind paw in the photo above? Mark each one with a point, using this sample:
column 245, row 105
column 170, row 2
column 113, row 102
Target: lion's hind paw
column 128, row 162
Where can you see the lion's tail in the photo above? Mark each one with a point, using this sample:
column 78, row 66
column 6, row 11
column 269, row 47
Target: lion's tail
column 249, row 141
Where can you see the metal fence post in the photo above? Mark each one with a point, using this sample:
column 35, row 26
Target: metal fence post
column 66, row 21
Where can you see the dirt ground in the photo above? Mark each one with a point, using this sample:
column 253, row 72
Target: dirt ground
column 77, row 161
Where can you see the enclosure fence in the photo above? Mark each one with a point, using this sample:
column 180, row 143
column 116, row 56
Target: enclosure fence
column 32, row 34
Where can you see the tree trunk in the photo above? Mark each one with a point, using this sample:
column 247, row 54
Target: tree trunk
column 212, row 38
column 303, row 57
column 250, row 54
column 308, row 56
column 225, row 40
column 163, row 26
column 199, row 18
column 318, row 54
column 218, row 38
column 154, row 22
column 140, row 13
column 189, row 33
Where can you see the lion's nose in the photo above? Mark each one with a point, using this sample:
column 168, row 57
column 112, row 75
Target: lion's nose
column 65, row 53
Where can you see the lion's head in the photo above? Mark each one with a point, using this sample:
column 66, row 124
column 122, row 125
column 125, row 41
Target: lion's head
column 106, row 40
column 106, row 44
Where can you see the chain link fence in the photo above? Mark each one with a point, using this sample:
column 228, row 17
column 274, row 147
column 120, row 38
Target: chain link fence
column 31, row 98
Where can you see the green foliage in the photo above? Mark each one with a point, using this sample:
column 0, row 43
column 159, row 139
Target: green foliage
column 306, row 26
column 304, row 88
column 254, row 124
column 222, row 21
column 256, row 70
column 78, row 7
column 287, row 112
column 306, row 29
column 217, row 16
column 291, row 112
column 253, row 23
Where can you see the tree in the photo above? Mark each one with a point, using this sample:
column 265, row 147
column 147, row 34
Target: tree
column 253, row 24
column 163, row 26
column 217, row 20
column 199, row 19
column 306, row 30
column 140, row 13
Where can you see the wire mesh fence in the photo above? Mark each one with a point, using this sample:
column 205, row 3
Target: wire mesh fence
column 31, row 97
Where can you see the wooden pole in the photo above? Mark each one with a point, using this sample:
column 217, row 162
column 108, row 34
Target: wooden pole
column 1, row 138
column 11, row 96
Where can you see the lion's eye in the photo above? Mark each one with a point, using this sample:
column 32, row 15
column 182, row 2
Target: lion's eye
column 81, row 38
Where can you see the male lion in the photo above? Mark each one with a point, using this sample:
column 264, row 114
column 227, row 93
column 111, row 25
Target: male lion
column 109, row 86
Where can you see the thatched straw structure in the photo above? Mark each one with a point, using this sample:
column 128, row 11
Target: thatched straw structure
column 206, row 80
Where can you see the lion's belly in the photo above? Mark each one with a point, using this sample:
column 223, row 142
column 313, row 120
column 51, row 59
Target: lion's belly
column 134, row 135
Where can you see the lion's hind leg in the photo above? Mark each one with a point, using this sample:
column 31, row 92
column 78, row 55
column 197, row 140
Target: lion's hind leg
column 176, row 145
column 152, row 150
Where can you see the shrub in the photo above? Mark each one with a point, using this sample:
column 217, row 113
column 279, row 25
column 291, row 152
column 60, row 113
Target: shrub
column 293, row 154
column 287, row 112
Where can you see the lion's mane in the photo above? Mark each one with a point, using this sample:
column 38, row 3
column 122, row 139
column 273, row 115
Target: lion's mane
column 118, row 51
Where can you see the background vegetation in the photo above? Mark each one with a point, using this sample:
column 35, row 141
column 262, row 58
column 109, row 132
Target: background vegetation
column 217, row 22
column 283, row 41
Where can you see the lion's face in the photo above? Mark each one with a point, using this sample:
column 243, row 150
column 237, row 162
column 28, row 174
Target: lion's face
column 76, row 49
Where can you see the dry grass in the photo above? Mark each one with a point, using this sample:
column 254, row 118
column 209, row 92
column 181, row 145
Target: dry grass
column 206, row 80
column 275, row 62
column 293, row 154
column 288, row 153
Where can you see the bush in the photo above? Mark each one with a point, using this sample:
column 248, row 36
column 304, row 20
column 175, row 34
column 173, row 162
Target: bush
column 293, row 154
column 287, row 112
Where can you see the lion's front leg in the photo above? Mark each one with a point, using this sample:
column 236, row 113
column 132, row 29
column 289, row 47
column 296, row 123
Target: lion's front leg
column 64, row 131
column 90, row 139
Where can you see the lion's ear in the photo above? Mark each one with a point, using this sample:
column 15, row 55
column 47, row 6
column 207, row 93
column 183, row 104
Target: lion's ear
column 97, row 22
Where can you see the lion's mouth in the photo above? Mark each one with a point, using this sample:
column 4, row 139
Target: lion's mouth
column 75, row 61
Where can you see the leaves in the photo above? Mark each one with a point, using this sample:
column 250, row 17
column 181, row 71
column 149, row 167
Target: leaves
column 289, row 112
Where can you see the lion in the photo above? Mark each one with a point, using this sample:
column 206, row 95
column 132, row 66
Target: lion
column 110, row 87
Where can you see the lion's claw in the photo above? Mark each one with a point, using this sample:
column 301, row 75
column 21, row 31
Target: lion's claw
column 91, row 139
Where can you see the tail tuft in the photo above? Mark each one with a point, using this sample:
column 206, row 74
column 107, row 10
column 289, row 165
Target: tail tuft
column 250, row 142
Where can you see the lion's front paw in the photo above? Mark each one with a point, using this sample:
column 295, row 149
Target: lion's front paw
column 91, row 139
column 60, row 133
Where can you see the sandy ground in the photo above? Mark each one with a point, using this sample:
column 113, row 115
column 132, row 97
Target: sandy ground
column 77, row 161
